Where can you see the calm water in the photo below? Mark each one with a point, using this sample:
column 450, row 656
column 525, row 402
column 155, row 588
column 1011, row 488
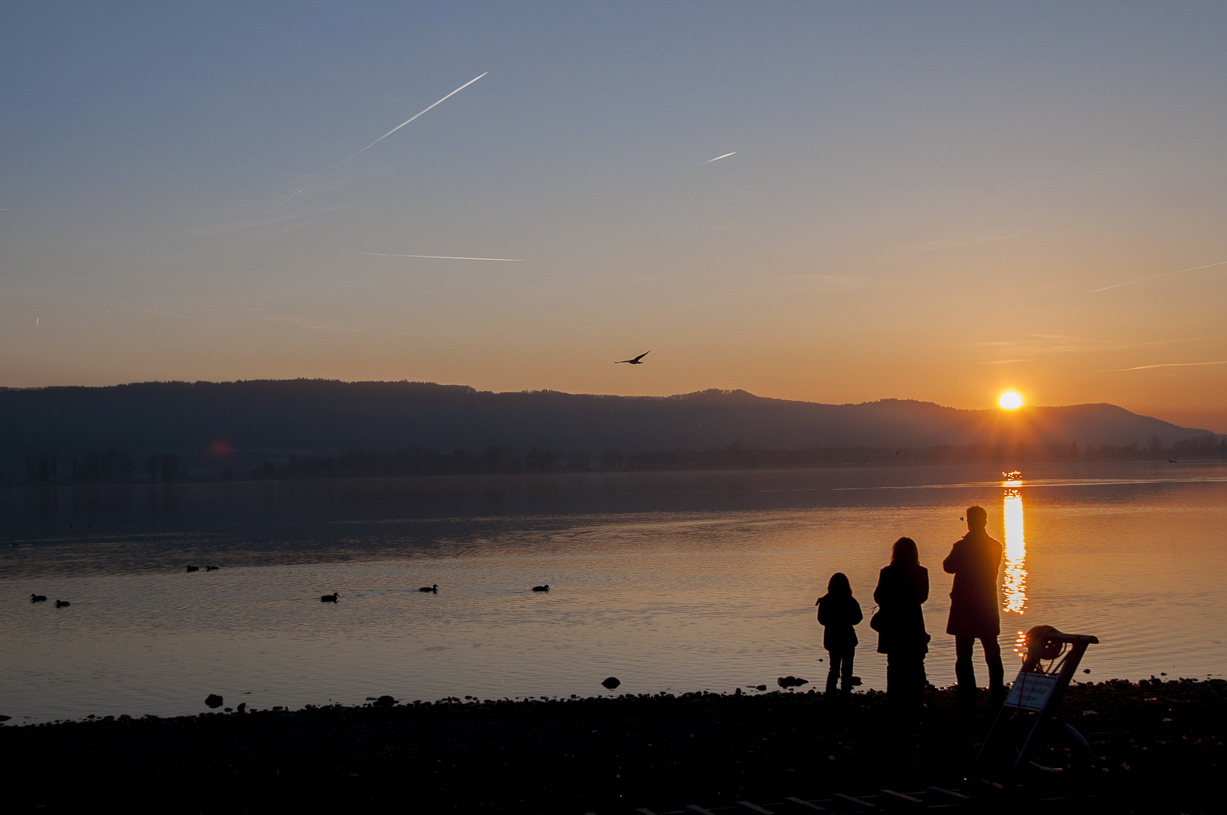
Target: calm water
column 667, row 581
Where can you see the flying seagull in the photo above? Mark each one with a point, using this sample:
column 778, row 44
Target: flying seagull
column 636, row 361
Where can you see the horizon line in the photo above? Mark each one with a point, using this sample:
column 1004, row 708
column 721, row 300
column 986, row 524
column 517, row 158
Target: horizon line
column 321, row 379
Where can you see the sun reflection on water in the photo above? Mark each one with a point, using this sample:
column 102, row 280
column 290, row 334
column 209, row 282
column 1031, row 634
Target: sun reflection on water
column 1020, row 645
column 1015, row 583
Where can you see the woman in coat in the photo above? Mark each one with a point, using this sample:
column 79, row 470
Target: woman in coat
column 903, row 587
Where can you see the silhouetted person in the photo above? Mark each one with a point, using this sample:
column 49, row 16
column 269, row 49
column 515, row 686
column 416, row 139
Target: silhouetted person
column 903, row 587
column 839, row 613
column 975, row 606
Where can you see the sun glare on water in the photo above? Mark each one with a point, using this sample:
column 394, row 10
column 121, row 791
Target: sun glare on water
column 1010, row 400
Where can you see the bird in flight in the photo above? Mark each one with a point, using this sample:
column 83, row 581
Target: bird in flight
column 636, row 361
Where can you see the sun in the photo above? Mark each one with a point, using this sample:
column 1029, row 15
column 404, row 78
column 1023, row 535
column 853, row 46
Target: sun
column 1010, row 400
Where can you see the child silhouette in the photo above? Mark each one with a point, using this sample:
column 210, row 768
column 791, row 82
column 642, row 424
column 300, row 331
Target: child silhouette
column 839, row 613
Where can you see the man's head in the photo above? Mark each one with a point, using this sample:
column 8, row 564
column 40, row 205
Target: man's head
column 977, row 518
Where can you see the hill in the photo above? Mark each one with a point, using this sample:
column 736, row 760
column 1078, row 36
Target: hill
column 251, row 421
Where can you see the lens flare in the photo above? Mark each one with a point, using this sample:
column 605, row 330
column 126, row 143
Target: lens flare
column 1010, row 400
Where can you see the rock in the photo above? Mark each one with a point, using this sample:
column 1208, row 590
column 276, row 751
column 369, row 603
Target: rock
column 385, row 701
column 791, row 681
column 611, row 682
column 760, row 687
column 213, row 700
column 242, row 708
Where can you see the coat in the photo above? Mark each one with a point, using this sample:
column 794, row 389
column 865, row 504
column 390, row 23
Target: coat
column 839, row 614
column 975, row 601
column 902, row 589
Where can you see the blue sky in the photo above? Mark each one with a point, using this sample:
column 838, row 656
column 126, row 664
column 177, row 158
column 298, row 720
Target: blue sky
column 922, row 200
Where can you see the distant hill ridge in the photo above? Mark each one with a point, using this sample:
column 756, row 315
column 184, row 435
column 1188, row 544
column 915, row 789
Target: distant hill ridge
column 310, row 416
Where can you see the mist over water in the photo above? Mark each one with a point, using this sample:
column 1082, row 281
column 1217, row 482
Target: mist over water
column 669, row 581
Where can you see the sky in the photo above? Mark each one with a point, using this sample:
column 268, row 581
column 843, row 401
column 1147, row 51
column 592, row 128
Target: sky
column 826, row 201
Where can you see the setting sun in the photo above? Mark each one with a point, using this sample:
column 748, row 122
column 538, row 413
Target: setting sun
column 1010, row 400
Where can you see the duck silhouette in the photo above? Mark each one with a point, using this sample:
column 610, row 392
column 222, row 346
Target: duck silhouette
column 432, row 589
column 191, row 568
column 62, row 603
column 546, row 587
column 636, row 361
column 212, row 568
column 38, row 598
column 330, row 598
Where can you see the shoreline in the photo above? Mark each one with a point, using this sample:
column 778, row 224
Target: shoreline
column 878, row 459
column 1157, row 746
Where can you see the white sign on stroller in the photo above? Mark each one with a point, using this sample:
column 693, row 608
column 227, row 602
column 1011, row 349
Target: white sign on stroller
column 1030, row 691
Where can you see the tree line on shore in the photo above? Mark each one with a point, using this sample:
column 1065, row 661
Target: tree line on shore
column 112, row 466
column 101, row 467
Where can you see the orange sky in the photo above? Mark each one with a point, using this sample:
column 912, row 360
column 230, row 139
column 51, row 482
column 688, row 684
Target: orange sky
column 923, row 202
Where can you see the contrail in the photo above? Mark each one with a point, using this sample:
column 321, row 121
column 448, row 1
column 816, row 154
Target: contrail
column 437, row 257
column 291, row 195
column 1163, row 365
column 1156, row 277
column 717, row 158
column 411, row 118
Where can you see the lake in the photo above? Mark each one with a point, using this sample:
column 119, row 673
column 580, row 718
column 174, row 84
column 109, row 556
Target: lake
column 668, row 581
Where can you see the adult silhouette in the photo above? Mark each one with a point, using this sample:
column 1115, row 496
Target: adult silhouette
column 975, row 606
column 903, row 587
